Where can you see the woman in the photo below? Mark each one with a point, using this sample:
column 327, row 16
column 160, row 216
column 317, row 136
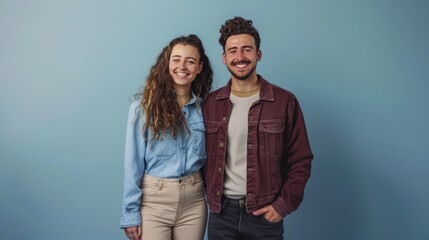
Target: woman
column 165, row 147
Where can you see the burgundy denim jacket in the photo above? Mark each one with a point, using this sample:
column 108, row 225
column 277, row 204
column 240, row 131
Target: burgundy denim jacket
column 278, row 151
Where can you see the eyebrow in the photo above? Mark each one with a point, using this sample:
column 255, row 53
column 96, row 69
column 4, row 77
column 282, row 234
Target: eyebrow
column 181, row 56
column 235, row 47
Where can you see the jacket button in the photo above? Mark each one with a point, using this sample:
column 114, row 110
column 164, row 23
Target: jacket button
column 221, row 144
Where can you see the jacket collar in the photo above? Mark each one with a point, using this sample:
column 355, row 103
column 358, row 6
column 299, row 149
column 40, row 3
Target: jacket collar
column 265, row 91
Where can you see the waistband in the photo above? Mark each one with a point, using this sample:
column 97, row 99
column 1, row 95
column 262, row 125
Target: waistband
column 226, row 200
column 191, row 178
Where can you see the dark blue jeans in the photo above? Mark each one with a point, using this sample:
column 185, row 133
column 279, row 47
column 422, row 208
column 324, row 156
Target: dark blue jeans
column 234, row 223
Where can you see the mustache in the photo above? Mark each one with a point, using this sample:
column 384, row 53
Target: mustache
column 244, row 61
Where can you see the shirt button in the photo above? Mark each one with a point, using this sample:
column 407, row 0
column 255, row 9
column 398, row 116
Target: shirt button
column 219, row 169
column 221, row 144
column 224, row 118
column 218, row 193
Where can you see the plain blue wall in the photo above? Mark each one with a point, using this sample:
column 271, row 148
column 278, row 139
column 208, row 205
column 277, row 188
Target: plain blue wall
column 359, row 69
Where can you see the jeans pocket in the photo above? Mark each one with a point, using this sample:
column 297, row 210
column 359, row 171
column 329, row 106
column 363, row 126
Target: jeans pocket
column 266, row 221
column 149, row 190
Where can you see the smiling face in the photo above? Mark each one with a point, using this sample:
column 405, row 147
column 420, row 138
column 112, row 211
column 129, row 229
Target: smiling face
column 241, row 56
column 184, row 65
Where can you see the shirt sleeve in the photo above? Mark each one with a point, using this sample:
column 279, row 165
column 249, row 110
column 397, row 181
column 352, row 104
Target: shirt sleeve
column 134, row 166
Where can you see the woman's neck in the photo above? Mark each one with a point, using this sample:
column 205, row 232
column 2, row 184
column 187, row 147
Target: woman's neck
column 183, row 96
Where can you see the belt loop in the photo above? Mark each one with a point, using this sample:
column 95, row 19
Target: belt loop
column 193, row 179
column 224, row 201
column 161, row 182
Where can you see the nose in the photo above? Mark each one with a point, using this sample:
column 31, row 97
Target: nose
column 240, row 54
column 183, row 65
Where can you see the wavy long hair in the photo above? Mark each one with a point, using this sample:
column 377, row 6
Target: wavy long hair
column 158, row 97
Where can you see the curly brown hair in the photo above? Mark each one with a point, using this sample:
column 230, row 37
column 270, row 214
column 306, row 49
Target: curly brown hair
column 158, row 97
column 238, row 25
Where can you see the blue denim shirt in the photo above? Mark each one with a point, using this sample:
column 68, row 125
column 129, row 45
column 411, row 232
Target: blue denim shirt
column 168, row 157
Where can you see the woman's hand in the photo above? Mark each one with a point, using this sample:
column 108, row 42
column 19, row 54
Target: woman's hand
column 133, row 233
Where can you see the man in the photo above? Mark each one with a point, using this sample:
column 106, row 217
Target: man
column 259, row 157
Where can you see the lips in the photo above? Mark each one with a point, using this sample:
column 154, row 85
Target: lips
column 241, row 64
column 182, row 74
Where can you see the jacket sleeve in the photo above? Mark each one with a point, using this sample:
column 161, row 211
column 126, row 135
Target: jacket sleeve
column 134, row 165
column 296, row 160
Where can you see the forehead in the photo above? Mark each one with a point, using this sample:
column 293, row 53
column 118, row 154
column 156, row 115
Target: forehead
column 180, row 50
column 240, row 40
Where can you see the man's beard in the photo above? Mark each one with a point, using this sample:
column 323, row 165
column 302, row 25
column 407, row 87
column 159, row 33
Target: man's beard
column 242, row 77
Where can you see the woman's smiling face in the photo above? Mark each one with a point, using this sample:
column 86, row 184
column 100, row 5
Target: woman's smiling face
column 184, row 65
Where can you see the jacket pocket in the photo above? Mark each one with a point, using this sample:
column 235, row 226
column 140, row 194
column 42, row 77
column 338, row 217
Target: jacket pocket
column 271, row 149
column 272, row 126
column 212, row 134
column 271, row 133
column 211, row 182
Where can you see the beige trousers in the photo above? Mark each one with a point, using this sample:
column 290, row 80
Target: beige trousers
column 173, row 208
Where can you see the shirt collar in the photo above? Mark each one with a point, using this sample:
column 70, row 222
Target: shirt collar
column 265, row 90
column 193, row 100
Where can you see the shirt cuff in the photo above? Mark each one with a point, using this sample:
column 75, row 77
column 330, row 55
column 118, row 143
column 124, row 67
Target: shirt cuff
column 130, row 219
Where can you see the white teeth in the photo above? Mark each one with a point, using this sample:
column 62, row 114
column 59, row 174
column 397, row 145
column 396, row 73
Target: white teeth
column 182, row 74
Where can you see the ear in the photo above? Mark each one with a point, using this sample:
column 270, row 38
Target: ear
column 223, row 58
column 259, row 55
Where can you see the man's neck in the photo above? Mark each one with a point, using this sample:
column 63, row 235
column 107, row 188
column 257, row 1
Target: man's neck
column 245, row 85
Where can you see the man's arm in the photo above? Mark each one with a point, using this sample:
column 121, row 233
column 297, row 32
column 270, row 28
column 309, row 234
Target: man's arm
column 296, row 160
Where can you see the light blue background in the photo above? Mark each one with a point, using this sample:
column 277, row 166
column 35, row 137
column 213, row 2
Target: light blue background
column 359, row 69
